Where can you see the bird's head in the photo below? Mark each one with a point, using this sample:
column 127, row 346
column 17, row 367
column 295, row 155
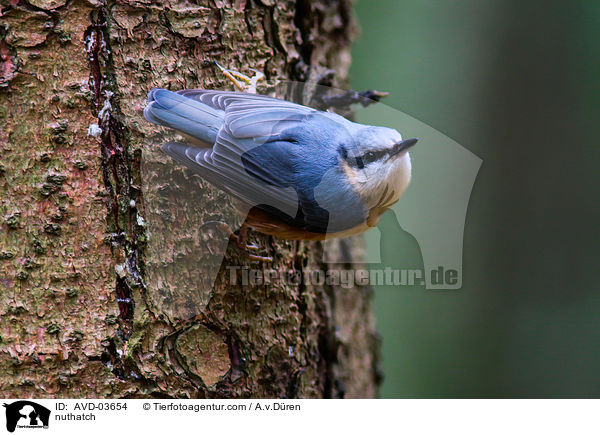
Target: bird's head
column 377, row 165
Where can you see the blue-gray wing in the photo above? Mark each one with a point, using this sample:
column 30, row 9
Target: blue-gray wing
column 250, row 121
column 251, row 115
column 256, row 153
column 225, row 169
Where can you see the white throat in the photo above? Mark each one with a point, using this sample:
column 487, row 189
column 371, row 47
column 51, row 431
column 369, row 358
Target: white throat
column 392, row 184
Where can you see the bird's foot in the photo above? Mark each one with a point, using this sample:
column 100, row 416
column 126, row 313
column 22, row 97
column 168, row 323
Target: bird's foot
column 240, row 240
column 241, row 81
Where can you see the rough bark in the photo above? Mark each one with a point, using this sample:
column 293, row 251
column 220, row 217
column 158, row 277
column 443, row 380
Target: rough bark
column 93, row 301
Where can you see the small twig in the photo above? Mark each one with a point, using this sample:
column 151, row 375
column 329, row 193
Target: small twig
column 350, row 97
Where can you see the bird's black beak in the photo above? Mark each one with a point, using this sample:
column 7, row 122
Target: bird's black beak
column 403, row 146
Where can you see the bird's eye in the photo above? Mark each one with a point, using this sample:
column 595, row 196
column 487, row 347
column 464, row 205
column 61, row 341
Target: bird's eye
column 370, row 157
column 366, row 158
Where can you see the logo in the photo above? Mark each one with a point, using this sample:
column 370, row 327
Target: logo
column 25, row 414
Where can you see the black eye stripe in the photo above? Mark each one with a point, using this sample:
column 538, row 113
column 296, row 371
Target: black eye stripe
column 372, row 156
column 343, row 152
column 363, row 160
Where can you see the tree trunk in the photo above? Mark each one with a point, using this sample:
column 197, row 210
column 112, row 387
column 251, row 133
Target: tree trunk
column 104, row 291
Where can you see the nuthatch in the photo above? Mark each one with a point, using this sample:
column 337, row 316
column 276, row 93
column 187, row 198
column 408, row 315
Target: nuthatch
column 302, row 173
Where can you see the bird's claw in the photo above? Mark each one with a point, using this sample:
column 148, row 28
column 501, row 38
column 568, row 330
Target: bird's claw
column 221, row 226
column 240, row 240
column 241, row 81
column 253, row 257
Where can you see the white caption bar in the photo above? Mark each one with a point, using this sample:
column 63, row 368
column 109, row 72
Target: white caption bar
column 150, row 416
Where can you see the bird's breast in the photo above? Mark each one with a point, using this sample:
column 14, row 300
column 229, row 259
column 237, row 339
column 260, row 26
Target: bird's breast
column 271, row 225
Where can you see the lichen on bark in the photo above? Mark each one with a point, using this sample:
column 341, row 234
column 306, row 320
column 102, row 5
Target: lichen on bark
column 97, row 299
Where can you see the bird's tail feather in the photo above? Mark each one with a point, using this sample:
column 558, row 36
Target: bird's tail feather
column 183, row 114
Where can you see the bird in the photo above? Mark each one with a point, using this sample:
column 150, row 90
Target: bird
column 299, row 173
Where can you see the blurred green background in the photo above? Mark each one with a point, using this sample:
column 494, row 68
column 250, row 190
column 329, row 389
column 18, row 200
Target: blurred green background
column 518, row 84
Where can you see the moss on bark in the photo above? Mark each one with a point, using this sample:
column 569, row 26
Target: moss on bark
column 94, row 302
